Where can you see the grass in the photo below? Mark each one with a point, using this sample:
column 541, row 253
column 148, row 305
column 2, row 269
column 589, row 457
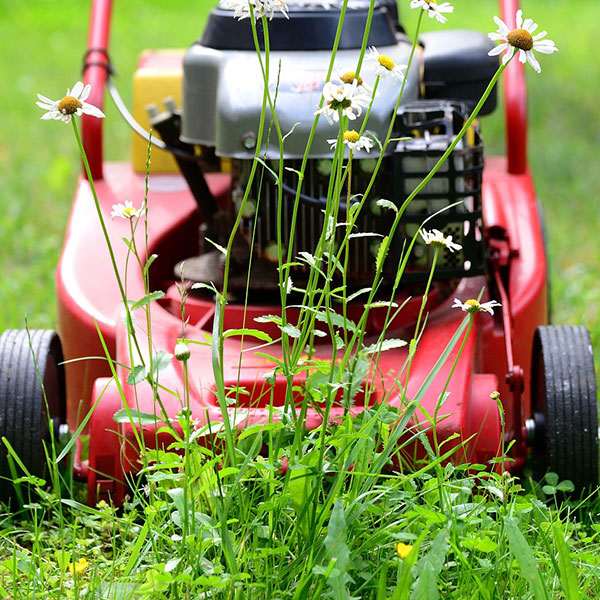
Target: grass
column 336, row 524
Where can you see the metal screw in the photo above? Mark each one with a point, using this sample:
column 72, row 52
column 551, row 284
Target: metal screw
column 249, row 140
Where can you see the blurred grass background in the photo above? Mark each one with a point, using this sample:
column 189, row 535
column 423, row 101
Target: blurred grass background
column 42, row 44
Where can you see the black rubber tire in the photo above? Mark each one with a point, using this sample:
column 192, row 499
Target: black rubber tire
column 564, row 406
column 25, row 415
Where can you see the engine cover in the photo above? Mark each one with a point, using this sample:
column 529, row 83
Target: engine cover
column 223, row 88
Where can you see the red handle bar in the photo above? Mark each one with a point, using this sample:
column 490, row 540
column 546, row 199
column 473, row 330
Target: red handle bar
column 515, row 93
column 515, row 101
column 95, row 74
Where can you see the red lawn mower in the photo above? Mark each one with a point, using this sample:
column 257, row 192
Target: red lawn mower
column 208, row 128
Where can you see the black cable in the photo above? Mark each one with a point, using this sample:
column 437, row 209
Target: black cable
column 310, row 200
column 116, row 97
column 130, row 120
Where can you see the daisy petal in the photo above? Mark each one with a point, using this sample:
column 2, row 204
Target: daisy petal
column 77, row 89
column 533, row 62
column 519, row 19
column 86, row 92
column 92, row 110
column 502, row 26
column 497, row 50
column 527, row 23
column 506, row 58
column 545, row 47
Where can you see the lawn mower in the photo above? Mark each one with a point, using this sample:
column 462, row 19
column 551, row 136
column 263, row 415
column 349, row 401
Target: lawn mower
column 204, row 105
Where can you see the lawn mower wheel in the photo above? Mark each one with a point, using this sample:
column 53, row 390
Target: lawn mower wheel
column 26, row 415
column 564, row 406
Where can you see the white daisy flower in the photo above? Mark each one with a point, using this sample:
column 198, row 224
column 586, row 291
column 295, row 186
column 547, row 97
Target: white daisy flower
column 260, row 8
column 350, row 78
column 344, row 97
column 433, row 8
column 437, row 239
column 74, row 103
column 125, row 211
column 521, row 40
column 383, row 65
column 473, row 306
column 354, row 141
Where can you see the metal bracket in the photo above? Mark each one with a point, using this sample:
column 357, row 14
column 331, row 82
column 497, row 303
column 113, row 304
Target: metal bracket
column 500, row 257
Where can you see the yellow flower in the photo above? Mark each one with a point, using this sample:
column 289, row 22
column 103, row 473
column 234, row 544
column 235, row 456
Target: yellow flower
column 402, row 549
column 79, row 567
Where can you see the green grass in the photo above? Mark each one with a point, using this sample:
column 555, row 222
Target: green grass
column 326, row 530
column 42, row 45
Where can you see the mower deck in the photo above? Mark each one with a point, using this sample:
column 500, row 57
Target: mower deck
column 87, row 303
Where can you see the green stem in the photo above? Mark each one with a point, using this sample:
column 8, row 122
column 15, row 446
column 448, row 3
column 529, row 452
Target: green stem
column 101, row 219
column 426, row 292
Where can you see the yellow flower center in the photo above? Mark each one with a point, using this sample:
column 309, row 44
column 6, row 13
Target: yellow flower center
column 351, row 136
column 402, row 549
column 386, row 62
column 431, row 1
column 520, row 38
column 350, row 76
column 69, row 105
column 473, row 305
column 129, row 212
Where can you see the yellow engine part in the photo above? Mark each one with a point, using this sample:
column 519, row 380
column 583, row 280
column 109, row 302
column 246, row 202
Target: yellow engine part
column 158, row 76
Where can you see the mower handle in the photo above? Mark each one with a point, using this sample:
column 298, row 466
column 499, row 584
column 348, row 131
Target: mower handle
column 515, row 101
column 96, row 70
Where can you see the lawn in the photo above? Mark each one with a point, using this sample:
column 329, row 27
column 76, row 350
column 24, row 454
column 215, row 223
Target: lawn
column 237, row 521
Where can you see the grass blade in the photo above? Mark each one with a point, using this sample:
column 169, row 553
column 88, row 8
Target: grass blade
column 525, row 558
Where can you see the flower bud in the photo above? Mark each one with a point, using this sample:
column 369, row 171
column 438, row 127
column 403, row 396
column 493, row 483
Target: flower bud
column 182, row 352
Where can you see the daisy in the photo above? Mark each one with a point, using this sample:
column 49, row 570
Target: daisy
column 350, row 77
column 383, row 65
column 125, row 211
column 182, row 351
column 354, row 141
column 473, row 306
column 74, row 103
column 260, row 7
column 437, row 239
column 521, row 40
column 344, row 98
column 434, row 9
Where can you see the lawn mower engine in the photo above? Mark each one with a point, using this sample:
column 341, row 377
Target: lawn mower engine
column 222, row 103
